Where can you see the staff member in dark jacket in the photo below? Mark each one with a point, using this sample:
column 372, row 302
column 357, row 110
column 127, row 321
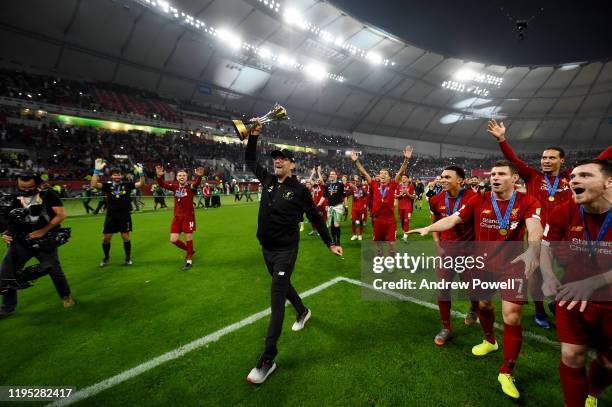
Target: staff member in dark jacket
column 284, row 201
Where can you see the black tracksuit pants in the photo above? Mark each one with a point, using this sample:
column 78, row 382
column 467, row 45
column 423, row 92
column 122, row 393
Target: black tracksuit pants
column 280, row 266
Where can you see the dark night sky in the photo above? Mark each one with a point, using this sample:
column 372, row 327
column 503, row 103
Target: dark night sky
column 565, row 31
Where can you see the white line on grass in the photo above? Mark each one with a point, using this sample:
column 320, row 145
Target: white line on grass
column 215, row 336
column 177, row 353
column 457, row 314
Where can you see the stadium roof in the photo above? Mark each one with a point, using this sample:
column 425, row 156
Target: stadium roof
column 329, row 69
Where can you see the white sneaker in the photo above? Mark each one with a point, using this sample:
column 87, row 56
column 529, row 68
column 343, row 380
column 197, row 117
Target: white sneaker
column 405, row 237
column 259, row 374
column 360, row 237
column 354, row 237
column 299, row 323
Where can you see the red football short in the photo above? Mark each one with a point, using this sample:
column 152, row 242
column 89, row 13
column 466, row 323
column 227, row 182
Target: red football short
column 592, row 327
column 383, row 229
column 183, row 224
column 361, row 215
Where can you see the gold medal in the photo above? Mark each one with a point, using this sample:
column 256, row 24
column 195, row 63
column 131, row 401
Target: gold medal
column 551, row 198
column 503, row 232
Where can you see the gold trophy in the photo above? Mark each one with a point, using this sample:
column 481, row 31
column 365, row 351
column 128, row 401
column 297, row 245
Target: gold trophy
column 277, row 113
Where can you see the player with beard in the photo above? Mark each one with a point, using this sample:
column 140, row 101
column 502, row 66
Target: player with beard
column 382, row 195
column 549, row 185
column 184, row 214
column 501, row 215
column 359, row 208
column 578, row 236
column 474, row 184
column 447, row 203
column 117, row 193
column 404, row 193
column 333, row 191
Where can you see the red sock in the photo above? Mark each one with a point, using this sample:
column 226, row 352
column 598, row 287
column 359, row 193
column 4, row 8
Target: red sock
column 189, row 249
column 354, row 228
column 445, row 311
column 406, row 227
column 575, row 385
column 512, row 341
column 180, row 245
column 360, row 229
column 599, row 378
column 539, row 307
column 487, row 319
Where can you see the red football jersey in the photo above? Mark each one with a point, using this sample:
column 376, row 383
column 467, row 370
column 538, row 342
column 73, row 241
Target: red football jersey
column 437, row 206
column 360, row 197
column 479, row 210
column 566, row 225
column 383, row 199
column 404, row 202
column 183, row 196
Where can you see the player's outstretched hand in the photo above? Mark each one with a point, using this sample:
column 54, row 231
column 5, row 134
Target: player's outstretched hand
column 354, row 156
column 337, row 250
column 408, row 152
column 550, row 287
column 497, row 130
column 199, row 171
column 159, row 170
column 420, row 231
column 577, row 292
column 531, row 260
column 99, row 164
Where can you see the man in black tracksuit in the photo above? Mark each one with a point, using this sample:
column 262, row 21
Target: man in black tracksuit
column 283, row 203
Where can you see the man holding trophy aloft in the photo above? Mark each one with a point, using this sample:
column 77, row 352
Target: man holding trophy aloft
column 283, row 203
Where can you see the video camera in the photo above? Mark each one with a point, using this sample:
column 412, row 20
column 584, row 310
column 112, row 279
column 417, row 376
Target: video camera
column 20, row 225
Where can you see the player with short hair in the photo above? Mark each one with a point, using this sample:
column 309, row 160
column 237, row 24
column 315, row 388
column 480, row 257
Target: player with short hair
column 184, row 214
column 501, row 215
column 383, row 200
column 359, row 208
column 117, row 193
column 447, row 203
column 549, row 185
column 404, row 193
column 577, row 234
column 333, row 191
column 419, row 190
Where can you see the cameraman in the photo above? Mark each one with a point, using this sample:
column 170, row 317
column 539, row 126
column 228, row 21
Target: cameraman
column 46, row 212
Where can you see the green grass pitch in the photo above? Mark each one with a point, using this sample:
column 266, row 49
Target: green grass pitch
column 352, row 352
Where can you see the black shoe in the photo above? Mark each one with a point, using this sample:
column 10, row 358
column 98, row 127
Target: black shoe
column 188, row 265
column 5, row 314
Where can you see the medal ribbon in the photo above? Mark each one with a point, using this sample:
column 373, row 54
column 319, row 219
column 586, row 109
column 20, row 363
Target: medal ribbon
column 552, row 189
column 457, row 202
column 602, row 231
column 503, row 223
column 383, row 192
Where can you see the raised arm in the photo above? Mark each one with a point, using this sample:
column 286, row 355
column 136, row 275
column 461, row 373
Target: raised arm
column 139, row 171
column 250, row 154
column 362, row 170
column 199, row 172
column 319, row 175
column 404, row 167
column 159, row 171
column 98, row 168
column 499, row 132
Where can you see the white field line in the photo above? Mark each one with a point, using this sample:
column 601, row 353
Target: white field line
column 215, row 336
column 177, row 353
column 456, row 314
